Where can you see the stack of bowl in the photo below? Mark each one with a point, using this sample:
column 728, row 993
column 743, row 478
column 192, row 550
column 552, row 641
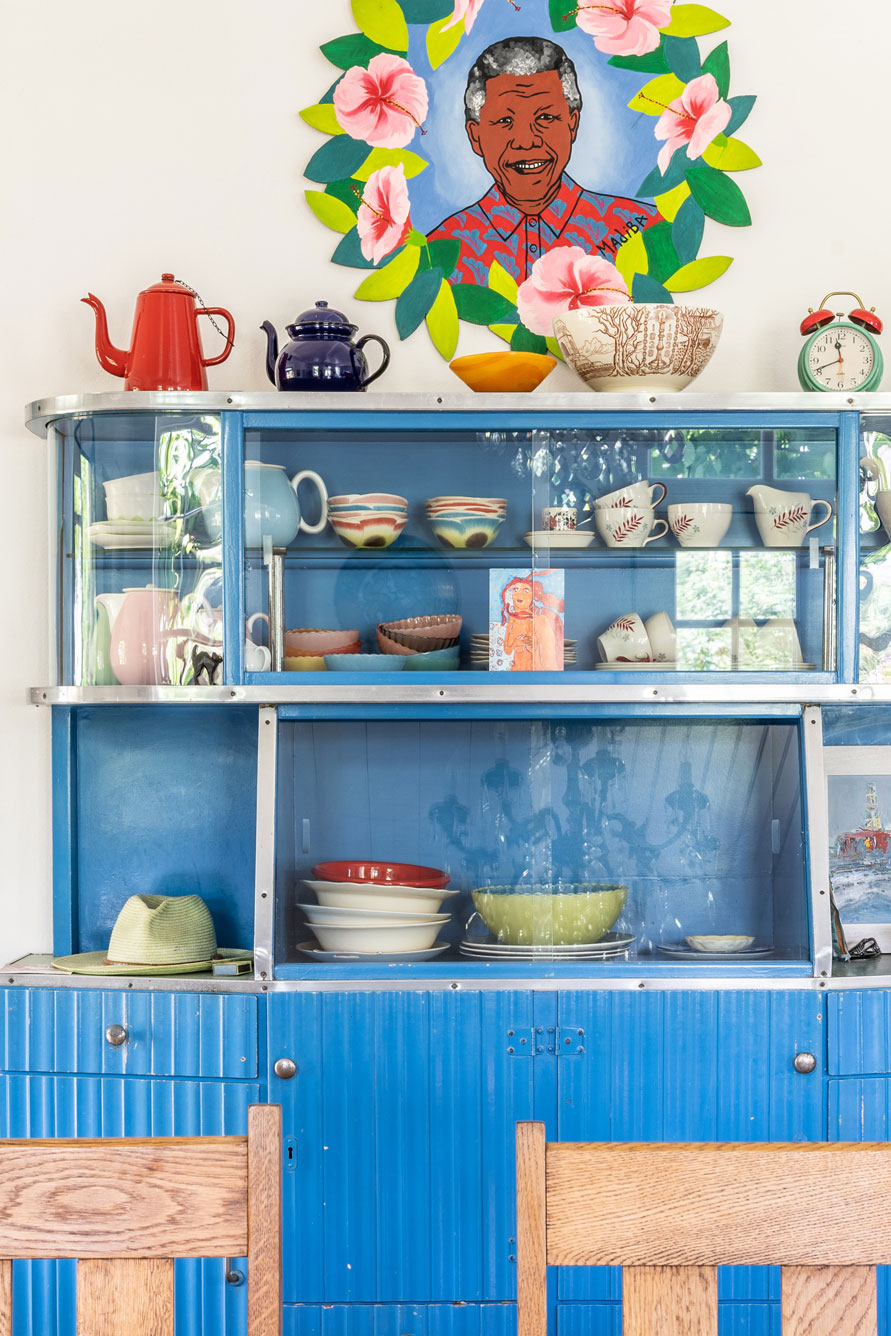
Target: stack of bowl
column 479, row 650
column 426, row 643
column 368, row 519
column 373, row 907
column 306, row 646
column 466, row 521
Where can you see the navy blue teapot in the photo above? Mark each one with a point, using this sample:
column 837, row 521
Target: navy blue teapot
column 321, row 354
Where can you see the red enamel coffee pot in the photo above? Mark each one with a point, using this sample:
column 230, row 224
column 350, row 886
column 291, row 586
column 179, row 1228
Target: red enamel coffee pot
column 165, row 348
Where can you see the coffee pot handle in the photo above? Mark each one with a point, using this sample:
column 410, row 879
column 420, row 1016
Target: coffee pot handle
column 375, row 338
column 230, row 337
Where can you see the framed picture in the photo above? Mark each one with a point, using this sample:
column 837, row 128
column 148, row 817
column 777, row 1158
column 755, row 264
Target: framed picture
column 858, row 811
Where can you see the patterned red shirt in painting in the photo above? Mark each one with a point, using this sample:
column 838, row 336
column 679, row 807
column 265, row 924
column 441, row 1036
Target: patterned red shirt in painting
column 492, row 229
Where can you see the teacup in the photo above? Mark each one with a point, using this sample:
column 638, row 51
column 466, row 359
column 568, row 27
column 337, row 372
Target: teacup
column 662, row 637
column 559, row 519
column 699, row 523
column 625, row 641
column 628, row 526
column 633, row 494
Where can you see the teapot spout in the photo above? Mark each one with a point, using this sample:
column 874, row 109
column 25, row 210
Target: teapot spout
column 271, row 348
column 114, row 360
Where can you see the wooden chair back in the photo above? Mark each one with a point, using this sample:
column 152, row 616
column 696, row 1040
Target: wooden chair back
column 670, row 1214
column 125, row 1208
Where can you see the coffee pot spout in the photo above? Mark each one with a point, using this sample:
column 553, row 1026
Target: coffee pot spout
column 112, row 359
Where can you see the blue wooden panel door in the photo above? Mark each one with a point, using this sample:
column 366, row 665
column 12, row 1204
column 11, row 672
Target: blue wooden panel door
column 683, row 1066
column 399, row 1180
column 860, row 1110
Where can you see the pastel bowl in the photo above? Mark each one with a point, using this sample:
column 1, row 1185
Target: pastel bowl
column 721, row 943
column 423, row 640
column 546, row 916
column 319, row 640
column 388, row 646
column 503, row 372
column 367, row 501
column 361, row 895
column 395, row 936
column 638, row 347
column 381, row 872
column 474, row 531
column 363, row 663
column 433, row 661
column 375, row 530
column 305, row 663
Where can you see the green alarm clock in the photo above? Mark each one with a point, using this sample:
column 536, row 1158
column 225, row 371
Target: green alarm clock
column 840, row 354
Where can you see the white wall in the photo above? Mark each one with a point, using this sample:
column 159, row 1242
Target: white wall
column 141, row 138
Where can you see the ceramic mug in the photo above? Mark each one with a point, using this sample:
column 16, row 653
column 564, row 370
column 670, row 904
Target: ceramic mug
column 625, row 641
column 559, row 519
column 638, row 494
column 662, row 637
column 699, row 523
column 628, row 526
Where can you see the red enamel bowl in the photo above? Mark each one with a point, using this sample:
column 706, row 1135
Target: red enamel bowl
column 384, row 874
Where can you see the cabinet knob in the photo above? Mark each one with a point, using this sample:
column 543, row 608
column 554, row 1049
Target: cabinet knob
column 285, row 1068
column 116, row 1035
column 804, row 1063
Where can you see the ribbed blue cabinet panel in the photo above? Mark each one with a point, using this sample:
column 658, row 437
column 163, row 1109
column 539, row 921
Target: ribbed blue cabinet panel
column 859, row 1032
column 170, row 1034
column 686, row 1066
column 403, row 1111
column 456, row 1319
column 82, row 1106
column 585, row 1319
column 860, row 1110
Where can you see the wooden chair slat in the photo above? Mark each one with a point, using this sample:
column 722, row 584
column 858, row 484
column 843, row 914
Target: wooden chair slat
column 532, row 1288
column 130, row 1296
column 5, row 1298
column 264, row 1315
column 670, row 1300
column 829, row 1301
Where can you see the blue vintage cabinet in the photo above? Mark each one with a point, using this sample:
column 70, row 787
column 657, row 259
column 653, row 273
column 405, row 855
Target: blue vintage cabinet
column 211, row 768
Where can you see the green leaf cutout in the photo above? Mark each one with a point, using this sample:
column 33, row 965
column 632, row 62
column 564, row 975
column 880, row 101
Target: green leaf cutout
column 730, row 155
column 417, row 299
column 739, row 111
column 687, row 229
column 524, row 341
column 354, row 49
column 340, row 157
column 482, row 306
column 658, row 184
column 645, row 290
column 386, row 283
column 653, row 62
column 444, row 255
column 412, row 163
column 322, row 117
column 699, row 273
column 382, row 21
column 501, row 281
column 694, row 21
column 717, row 63
column 348, row 252
column 682, row 57
column 505, row 332
column 662, row 258
column 426, row 11
column 554, row 349
column 720, row 197
column 442, row 41
column 331, row 211
column 656, row 95
column 442, row 322
column 329, row 96
column 348, row 191
column 562, row 14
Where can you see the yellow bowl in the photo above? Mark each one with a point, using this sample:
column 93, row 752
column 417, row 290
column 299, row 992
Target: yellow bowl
column 503, row 372
column 542, row 916
column 305, row 663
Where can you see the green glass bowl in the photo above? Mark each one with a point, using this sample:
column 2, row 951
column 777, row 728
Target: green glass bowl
column 550, row 916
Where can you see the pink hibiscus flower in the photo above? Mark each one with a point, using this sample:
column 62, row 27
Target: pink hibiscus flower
column 382, row 105
column 564, row 279
column 624, row 27
column 693, row 119
column 383, row 222
column 468, row 10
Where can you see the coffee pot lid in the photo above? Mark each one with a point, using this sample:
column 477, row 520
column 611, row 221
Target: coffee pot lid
column 322, row 316
column 170, row 284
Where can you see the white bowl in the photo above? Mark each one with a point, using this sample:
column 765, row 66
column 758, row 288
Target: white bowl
column 722, row 942
column 409, row 899
column 136, row 497
column 396, row 936
column 638, row 347
column 353, row 917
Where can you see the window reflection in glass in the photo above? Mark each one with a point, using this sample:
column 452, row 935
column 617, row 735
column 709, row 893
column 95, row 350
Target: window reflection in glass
column 704, row 585
column 767, row 584
column 751, row 606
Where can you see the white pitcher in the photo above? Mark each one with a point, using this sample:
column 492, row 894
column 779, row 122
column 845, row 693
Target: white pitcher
column 782, row 517
column 107, row 608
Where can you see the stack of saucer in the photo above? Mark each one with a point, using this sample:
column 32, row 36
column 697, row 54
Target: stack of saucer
column 479, row 650
column 132, row 534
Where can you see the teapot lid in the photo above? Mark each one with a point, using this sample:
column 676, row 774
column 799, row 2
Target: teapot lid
column 170, row 284
column 324, row 316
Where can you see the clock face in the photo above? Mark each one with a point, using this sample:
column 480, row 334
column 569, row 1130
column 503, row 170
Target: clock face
column 841, row 357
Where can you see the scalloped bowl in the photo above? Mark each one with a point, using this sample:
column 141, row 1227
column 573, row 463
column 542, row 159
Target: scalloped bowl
column 363, row 663
column 503, row 372
column 638, row 347
column 721, row 943
column 550, row 916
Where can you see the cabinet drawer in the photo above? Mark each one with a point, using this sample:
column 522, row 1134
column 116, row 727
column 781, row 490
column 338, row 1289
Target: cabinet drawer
column 168, row 1034
column 859, row 1032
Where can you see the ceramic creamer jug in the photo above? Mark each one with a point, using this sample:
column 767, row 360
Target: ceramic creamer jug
column 321, row 354
column 783, row 517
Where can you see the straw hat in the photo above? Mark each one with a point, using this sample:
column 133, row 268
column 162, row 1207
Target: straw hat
column 155, row 934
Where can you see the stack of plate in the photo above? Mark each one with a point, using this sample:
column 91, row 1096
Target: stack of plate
column 124, row 535
column 479, row 650
column 612, row 946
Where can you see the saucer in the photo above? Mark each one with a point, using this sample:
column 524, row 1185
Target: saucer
column 687, row 953
column 645, row 666
column 570, row 538
column 372, row 957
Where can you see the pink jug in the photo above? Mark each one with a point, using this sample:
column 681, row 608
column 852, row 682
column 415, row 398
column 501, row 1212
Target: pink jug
column 145, row 638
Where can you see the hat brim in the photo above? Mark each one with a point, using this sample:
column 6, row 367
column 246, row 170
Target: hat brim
column 96, row 962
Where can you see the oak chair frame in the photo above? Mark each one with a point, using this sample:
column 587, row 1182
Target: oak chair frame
column 127, row 1207
column 671, row 1214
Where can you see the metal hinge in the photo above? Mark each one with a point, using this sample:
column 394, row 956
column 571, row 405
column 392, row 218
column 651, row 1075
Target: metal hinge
column 555, row 1040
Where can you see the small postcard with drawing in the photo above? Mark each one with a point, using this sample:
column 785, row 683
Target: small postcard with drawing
column 525, row 621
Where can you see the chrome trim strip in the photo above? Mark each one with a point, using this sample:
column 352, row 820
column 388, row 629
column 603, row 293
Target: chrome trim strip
column 264, row 874
column 818, row 842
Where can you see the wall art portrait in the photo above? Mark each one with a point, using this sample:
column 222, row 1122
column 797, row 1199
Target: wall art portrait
column 501, row 161
column 526, row 621
column 858, row 804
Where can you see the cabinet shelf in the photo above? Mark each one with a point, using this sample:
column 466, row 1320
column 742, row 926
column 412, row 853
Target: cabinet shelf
column 388, row 558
